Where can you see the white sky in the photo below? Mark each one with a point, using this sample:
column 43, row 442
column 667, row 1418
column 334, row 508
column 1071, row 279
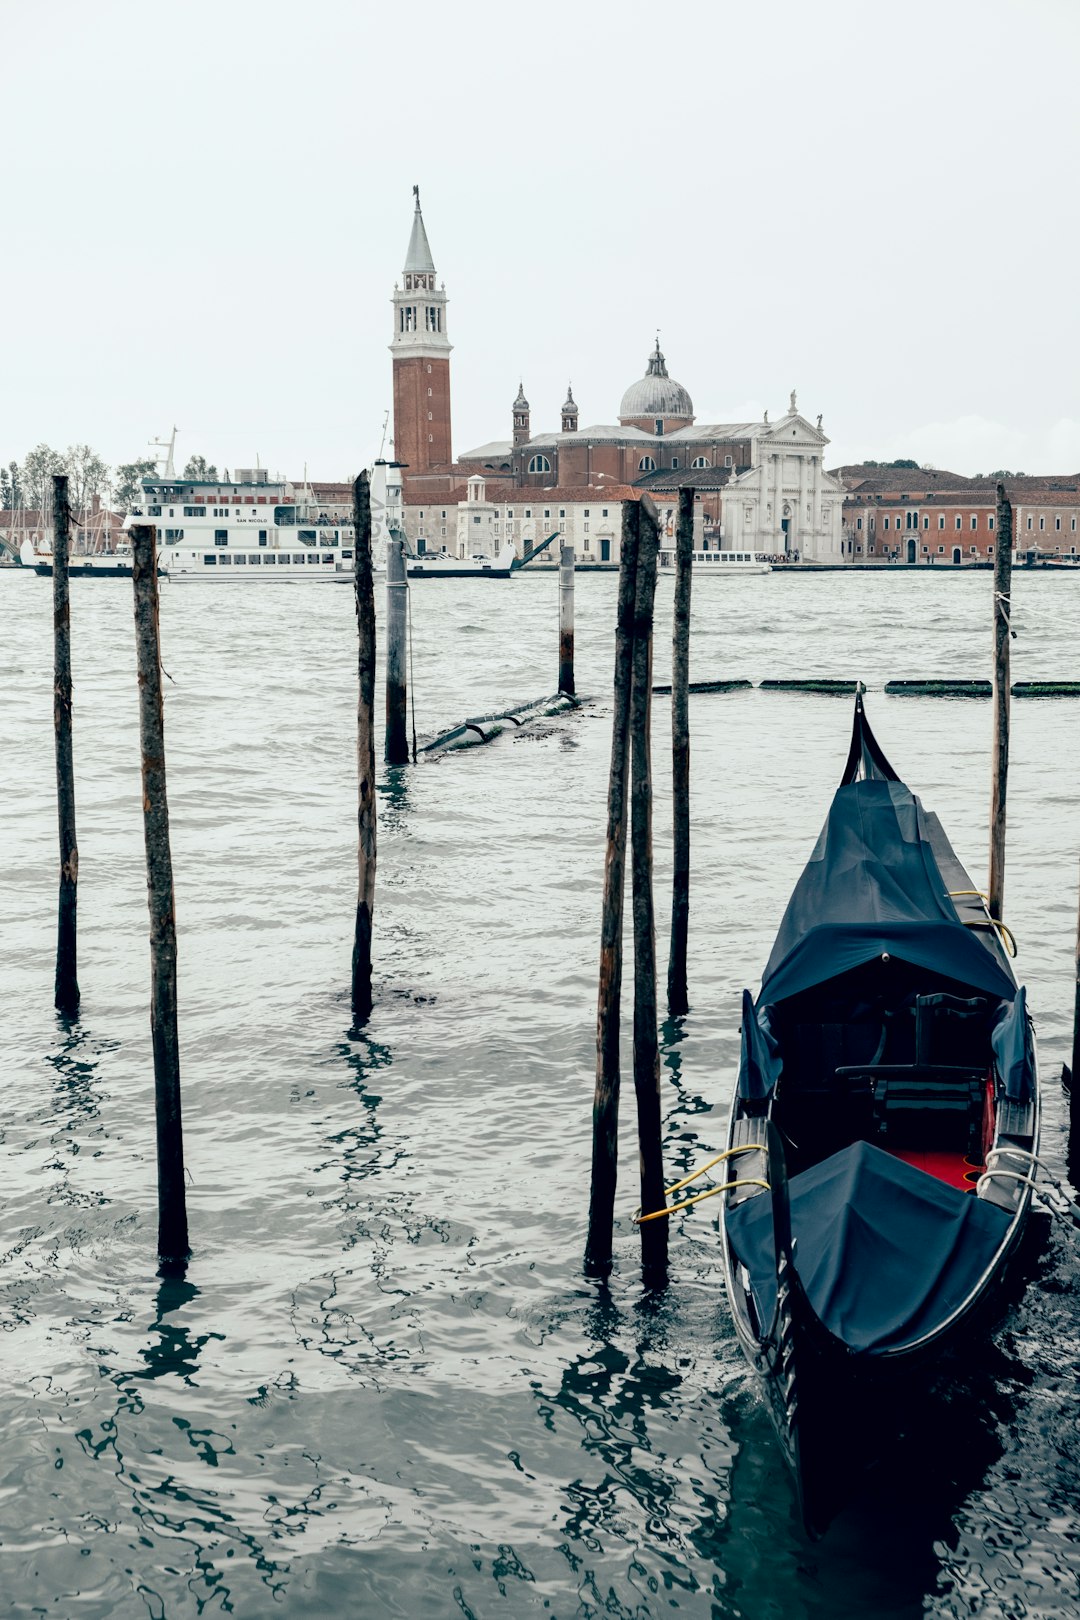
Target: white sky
column 206, row 206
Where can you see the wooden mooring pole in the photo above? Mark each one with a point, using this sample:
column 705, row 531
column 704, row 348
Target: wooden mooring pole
column 1000, row 762
column 566, row 620
column 654, row 1234
column 605, row 1145
column 365, row 754
column 66, row 985
column 677, row 992
column 396, row 751
column 173, row 1247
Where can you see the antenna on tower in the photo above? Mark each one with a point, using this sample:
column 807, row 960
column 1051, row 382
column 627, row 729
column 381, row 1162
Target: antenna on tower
column 169, row 446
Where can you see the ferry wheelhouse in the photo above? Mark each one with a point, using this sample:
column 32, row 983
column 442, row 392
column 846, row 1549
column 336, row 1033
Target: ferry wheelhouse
column 245, row 530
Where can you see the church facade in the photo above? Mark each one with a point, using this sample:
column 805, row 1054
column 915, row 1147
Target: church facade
column 759, row 486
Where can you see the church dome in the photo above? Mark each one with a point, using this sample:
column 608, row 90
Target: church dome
column 656, row 394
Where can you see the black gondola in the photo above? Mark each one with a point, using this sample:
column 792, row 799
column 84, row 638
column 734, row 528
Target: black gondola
column 883, row 1131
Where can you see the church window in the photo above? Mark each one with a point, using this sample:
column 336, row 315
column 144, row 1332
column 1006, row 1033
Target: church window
column 1057, row 523
column 429, row 416
column 1042, row 523
column 539, row 464
column 562, row 511
column 960, row 522
column 431, row 438
column 1029, row 523
column 858, row 523
column 659, row 425
column 941, row 520
column 604, row 514
column 547, row 511
column 528, row 511
column 727, row 461
column 674, row 463
column 703, row 461
column 926, row 522
column 429, row 371
column 586, row 512
column 429, row 393
column 974, row 521
column 646, row 464
column 585, row 528
column 887, row 523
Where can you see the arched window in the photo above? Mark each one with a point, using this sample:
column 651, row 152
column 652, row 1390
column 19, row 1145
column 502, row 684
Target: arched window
column 646, row 464
column 539, row 464
column 701, row 461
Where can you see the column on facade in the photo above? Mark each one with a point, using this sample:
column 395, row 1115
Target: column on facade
column 805, row 525
column 815, row 500
column 778, row 506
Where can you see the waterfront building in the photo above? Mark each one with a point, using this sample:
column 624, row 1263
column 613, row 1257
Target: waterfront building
column 923, row 515
column 763, row 485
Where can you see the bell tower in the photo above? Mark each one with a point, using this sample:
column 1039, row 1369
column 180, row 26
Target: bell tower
column 421, row 360
column 521, row 417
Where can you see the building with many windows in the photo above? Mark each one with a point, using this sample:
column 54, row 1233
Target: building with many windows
column 922, row 515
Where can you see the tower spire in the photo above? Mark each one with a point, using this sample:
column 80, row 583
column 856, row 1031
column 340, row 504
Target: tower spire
column 418, row 260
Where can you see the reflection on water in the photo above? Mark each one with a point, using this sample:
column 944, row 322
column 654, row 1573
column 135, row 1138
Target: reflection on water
column 383, row 1386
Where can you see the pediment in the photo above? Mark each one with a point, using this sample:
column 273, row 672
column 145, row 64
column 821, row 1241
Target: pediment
column 793, row 428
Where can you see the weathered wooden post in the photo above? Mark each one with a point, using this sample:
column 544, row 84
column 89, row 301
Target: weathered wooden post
column 396, row 751
column 1072, row 1077
column 566, row 620
column 654, row 1234
column 173, row 1247
column 365, row 754
column 605, row 1147
column 677, row 993
column 66, row 985
column 1000, row 763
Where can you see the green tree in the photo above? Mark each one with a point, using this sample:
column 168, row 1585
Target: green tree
column 128, row 482
column 87, row 474
column 38, row 467
column 10, row 486
column 197, row 468
column 914, row 465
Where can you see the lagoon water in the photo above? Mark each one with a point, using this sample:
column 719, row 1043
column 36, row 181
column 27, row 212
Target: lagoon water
column 385, row 1387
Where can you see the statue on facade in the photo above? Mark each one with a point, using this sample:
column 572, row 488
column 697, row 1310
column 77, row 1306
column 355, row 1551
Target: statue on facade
column 791, row 403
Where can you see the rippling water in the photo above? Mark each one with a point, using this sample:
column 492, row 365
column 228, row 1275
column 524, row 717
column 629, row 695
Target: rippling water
column 385, row 1388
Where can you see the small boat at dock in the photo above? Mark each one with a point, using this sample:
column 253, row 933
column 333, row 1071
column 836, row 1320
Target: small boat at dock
column 883, row 1133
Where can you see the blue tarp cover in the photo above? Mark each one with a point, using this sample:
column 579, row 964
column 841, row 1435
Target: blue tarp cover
column 884, row 1252
column 872, row 886
column 1015, row 1050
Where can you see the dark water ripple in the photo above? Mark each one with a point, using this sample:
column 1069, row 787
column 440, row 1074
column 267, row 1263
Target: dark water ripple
column 384, row 1387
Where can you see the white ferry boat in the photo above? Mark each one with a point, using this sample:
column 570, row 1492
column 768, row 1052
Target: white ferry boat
column 726, row 562
column 242, row 530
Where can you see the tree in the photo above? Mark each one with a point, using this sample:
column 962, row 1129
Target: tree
column 197, row 468
column 10, row 486
column 38, row 467
column 129, row 477
column 913, row 465
column 87, row 474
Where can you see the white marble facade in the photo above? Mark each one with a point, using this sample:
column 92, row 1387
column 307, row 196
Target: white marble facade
column 786, row 503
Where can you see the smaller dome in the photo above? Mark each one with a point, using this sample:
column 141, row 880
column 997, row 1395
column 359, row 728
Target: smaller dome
column 656, row 394
column 568, row 402
column 521, row 403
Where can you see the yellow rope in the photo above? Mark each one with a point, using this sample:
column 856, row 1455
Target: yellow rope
column 673, row 1209
column 1008, row 938
column 728, row 1153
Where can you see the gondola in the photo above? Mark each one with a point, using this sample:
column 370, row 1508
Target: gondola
column 883, row 1133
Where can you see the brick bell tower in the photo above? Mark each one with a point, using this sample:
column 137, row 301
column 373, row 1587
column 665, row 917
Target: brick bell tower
column 421, row 351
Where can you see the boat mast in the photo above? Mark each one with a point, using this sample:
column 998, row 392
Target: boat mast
column 169, row 446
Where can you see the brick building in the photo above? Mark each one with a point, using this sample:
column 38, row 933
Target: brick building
column 921, row 515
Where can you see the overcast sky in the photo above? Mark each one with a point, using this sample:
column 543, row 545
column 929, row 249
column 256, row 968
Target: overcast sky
column 207, row 206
